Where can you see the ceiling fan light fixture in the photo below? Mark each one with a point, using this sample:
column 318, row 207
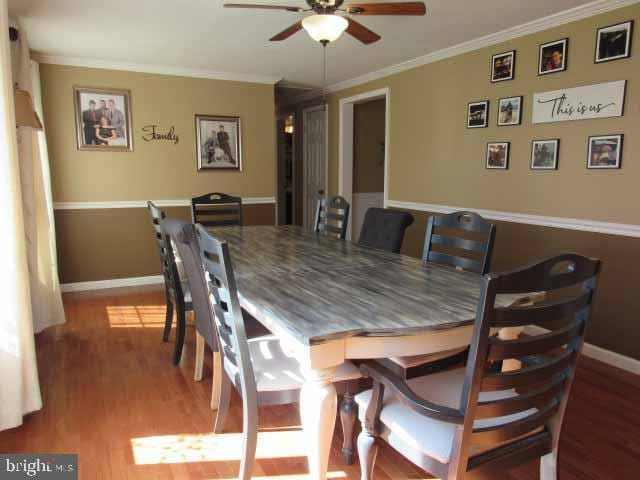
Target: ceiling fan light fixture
column 325, row 28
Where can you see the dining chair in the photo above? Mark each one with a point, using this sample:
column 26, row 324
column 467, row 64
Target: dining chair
column 183, row 237
column 332, row 217
column 177, row 292
column 216, row 210
column 384, row 229
column 260, row 370
column 458, row 420
column 463, row 240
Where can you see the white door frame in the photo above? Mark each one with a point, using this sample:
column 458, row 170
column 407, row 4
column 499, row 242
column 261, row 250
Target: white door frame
column 304, row 149
column 345, row 143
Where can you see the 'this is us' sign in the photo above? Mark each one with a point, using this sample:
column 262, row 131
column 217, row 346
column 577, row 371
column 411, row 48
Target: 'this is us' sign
column 42, row 466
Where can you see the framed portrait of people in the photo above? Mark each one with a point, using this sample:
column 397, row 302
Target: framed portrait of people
column 218, row 143
column 103, row 119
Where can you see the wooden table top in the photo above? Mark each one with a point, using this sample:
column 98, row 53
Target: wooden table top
column 319, row 289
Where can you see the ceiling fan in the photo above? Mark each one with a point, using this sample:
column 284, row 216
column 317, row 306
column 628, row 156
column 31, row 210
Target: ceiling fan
column 327, row 23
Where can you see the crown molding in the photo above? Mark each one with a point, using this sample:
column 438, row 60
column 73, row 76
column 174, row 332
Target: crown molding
column 178, row 202
column 622, row 229
column 577, row 13
column 157, row 69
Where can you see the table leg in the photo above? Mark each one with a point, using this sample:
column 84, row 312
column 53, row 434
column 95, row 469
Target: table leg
column 318, row 408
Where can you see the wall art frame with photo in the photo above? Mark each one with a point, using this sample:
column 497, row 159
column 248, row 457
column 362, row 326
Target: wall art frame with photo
column 503, row 66
column 103, row 119
column 553, row 57
column 497, row 157
column 605, row 152
column 544, row 154
column 613, row 42
column 218, row 143
column 510, row 111
column 478, row 114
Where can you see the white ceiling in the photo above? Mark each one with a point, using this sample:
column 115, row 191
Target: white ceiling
column 200, row 34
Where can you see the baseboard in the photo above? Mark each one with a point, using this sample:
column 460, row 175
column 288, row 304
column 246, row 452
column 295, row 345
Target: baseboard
column 114, row 283
column 598, row 353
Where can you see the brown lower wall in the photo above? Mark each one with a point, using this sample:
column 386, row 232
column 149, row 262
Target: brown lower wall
column 104, row 244
column 615, row 321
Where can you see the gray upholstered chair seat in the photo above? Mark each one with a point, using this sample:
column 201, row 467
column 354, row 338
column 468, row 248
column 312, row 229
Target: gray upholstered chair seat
column 432, row 437
column 276, row 370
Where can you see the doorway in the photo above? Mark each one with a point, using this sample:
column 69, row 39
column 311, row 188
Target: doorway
column 314, row 121
column 286, row 188
column 364, row 154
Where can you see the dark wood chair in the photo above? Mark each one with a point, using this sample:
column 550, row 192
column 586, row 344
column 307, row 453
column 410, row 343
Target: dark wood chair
column 384, row 229
column 259, row 369
column 451, row 233
column 462, row 240
column 457, row 420
column 332, row 217
column 178, row 293
column 216, row 210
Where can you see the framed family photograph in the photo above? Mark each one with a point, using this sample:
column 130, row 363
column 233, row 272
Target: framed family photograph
column 498, row 155
column 544, row 154
column 614, row 42
column 103, row 119
column 553, row 57
column 218, row 143
column 605, row 151
column 478, row 114
column 503, row 66
column 510, row 111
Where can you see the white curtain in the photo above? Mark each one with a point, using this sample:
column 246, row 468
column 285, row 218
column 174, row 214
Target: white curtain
column 37, row 202
column 20, row 391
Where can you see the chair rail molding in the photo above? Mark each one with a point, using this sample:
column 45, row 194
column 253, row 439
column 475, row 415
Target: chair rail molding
column 558, row 19
column 178, row 202
column 622, row 229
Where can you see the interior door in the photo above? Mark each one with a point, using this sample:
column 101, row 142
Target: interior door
column 315, row 161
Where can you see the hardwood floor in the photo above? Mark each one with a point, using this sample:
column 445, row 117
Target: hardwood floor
column 112, row 396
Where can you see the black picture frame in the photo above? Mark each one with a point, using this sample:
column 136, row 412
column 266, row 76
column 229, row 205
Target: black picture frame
column 629, row 38
column 512, row 74
column 485, row 103
column 520, row 99
column 507, row 146
column 565, row 56
column 556, row 141
column 620, row 143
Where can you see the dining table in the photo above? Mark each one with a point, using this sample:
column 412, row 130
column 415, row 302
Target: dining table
column 330, row 300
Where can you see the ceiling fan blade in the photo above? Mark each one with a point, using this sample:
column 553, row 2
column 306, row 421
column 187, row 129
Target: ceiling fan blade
column 283, row 35
column 401, row 8
column 361, row 32
column 263, row 7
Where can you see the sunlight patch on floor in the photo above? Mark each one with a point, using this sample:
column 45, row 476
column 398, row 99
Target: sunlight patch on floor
column 135, row 316
column 210, row 447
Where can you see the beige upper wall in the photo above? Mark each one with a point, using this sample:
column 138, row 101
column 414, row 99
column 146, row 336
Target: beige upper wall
column 435, row 159
column 368, row 146
column 158, row 169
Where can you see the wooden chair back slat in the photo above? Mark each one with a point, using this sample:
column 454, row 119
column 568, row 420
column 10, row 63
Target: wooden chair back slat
column 332, row 217
column 453, row 261
column 520, row 403
column 551, row 311
column 509, row 431
column 447, row 234
column 216, row 210
column 529, row 375
column 522, row 347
